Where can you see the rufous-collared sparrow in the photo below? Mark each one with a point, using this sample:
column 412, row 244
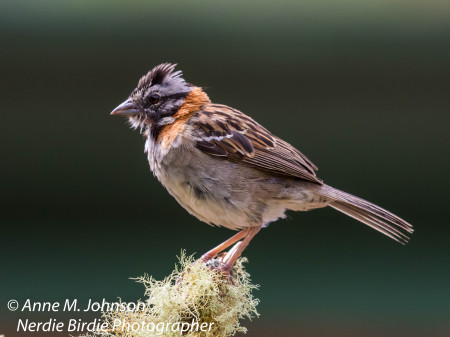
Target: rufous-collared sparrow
column 228, row 170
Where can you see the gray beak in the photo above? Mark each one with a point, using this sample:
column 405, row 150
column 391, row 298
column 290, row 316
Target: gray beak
column 126, row 109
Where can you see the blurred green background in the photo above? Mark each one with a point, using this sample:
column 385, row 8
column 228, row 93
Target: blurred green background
column 361, row 87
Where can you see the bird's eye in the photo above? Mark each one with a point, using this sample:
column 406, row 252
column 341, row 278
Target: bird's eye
column 154, row 98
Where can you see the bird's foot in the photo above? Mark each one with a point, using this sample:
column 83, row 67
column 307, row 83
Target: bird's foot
column 223, row 262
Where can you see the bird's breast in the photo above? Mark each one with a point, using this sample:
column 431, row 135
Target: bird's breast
column 160, row 149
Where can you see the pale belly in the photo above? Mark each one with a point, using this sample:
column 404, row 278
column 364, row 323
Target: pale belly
column 223, row 193
column 226, row 198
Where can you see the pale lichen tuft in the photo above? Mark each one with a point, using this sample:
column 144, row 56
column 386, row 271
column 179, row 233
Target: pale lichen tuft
column 193, row 293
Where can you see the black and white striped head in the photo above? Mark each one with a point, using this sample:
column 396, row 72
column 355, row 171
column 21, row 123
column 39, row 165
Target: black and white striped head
column 157, row 97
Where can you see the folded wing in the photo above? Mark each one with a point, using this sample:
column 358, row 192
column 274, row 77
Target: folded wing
column 225, row 132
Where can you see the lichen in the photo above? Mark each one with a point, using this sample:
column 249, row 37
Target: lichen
column 193, row 293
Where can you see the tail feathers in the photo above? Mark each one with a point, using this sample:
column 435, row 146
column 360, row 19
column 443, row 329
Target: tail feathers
column 370, row 214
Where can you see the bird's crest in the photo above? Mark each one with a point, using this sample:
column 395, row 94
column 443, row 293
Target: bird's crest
column 158, row 75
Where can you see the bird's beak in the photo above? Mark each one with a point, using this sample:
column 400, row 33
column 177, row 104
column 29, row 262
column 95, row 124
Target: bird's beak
column 126, row 109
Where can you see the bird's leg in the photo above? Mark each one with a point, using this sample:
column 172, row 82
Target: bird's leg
column 235, row 238
column 238, row 249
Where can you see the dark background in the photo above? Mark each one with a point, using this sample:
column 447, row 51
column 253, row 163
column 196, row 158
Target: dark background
column 361, row 87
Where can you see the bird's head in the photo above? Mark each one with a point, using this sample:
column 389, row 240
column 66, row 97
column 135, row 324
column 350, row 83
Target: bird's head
column 156, row 99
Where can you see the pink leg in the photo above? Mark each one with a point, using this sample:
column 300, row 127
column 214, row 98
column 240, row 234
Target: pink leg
column 235, row 238
column 229, row 263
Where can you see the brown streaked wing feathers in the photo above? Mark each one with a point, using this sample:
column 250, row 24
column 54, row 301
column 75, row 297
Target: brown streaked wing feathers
column 228, row 133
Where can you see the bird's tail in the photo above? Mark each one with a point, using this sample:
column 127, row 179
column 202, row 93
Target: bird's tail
column 372, row 215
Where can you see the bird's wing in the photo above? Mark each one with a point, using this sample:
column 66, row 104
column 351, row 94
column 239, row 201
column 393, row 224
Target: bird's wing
column 228, row 133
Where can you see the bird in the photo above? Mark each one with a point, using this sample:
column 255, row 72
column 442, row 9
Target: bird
column 226, row 169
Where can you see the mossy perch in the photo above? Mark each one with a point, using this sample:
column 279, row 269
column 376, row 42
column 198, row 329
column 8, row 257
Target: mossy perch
column 194, row 292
